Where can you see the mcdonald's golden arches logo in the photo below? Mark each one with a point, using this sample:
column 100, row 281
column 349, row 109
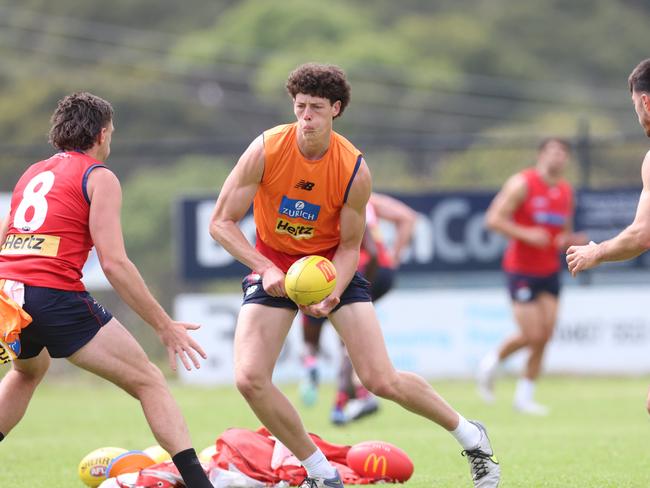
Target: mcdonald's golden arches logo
column 376, row 461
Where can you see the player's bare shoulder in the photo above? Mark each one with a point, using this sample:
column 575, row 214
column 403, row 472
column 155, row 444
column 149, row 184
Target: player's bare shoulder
column 103, row 180
column 251, row 162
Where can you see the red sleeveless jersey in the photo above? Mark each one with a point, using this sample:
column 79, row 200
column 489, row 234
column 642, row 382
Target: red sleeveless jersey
column 48, row 239
column 298, row 202
column 544, row 206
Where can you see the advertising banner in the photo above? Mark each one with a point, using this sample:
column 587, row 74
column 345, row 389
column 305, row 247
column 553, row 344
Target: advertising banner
column 450, row 234
column 445, row 333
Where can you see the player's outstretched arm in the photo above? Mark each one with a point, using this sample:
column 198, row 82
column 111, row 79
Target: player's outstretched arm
column 235, row 198
column 632, row 241
column 106, row 231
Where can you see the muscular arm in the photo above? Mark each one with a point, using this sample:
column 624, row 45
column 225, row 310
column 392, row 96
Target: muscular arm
column 353, row 224
column 234, row 200
column 631, row 242
column 499, row 214
column 106, row 231
column 635, row 239
column 401, row 216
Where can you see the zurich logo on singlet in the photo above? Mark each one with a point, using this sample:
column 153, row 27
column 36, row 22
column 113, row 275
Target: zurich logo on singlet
column 299, row 209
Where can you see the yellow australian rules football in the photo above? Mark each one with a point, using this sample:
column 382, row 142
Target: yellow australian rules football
column 92, row 468
column 310, row 279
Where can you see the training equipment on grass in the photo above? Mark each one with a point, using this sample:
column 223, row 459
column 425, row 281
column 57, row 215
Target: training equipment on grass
column 157, row 453
column 128, row 462
column 92, row 468
column 310, row 279
column 380, row 460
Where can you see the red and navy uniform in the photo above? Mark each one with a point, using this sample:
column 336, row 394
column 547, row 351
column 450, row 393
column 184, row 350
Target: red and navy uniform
column 533, row 269
column 46, row 247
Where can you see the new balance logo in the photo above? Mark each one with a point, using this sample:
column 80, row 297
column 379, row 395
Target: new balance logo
column 305, row 185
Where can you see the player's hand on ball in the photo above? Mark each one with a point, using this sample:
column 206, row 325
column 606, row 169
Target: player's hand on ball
column 179, row 343
column 273, row 282
column 321, row 309
column 581, row 258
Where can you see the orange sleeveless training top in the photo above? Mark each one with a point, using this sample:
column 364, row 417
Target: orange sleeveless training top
column 299, row 201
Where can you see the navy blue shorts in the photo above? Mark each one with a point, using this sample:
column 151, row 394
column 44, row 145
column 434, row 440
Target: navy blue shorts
column 63, row 321
column 357, row 291
column 525, row 288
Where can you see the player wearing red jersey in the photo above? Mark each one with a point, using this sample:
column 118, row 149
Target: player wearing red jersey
column 309, row 187
column 634, row 239
column 60, row 208
column 535, row 210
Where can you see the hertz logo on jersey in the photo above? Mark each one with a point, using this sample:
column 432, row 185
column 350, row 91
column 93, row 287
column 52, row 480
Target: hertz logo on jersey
column 296, row 231
column 40, row 244
column 299, row 209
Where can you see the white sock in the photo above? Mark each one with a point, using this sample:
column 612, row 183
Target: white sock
column 467, row 434
column 490, row 361
column 524, row 391
column 318, row 466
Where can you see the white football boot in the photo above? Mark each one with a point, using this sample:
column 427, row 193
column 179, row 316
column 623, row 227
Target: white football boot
column 483, row 464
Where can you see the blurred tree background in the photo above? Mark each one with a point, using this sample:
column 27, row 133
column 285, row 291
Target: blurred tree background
column 445, row 95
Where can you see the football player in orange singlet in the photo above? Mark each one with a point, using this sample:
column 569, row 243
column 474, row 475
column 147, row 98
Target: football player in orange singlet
column 60, row 208
column 535, row 210
column 309, row 187
column 634, row 239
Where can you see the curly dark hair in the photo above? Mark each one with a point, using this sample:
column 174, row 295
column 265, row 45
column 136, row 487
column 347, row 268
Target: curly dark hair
column 78, row 120
column 639, row 80
column 320, row 80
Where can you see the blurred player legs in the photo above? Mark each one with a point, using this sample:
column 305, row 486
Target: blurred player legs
column 534, row 209
column 353, row 401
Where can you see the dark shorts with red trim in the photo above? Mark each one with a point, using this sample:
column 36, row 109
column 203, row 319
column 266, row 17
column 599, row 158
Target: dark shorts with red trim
column 63, row 321
column 357, row 291
column 525, row 288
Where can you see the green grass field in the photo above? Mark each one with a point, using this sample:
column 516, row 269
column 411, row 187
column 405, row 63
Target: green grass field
column 596, row 436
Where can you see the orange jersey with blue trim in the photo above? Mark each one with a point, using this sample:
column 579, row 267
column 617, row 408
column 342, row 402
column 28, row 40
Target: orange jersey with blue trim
column 298, row 203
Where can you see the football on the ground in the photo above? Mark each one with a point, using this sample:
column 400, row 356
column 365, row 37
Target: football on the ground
column 310, row 279
column 205, row 456
column 157, row 453
column 128, row 462
column 380, row 460
column 92, row 468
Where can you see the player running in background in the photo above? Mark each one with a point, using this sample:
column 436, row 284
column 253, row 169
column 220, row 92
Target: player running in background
column 534, row 209
column 309, row 187
column 378, row 264
column 60, row 208
column 634, row 239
